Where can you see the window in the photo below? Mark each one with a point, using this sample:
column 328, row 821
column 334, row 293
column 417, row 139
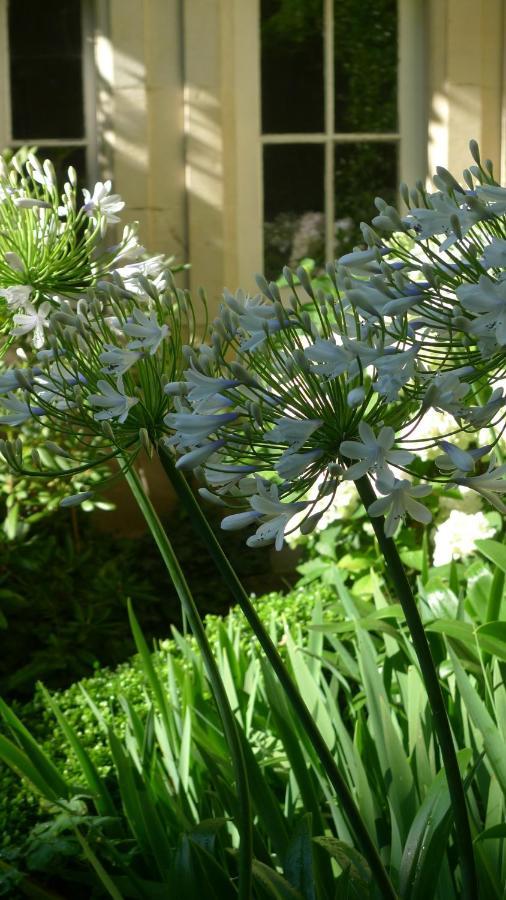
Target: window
column 329, row 123
column 48, row 71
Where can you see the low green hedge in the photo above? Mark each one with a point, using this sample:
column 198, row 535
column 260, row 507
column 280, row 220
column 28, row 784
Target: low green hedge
column 19, row 809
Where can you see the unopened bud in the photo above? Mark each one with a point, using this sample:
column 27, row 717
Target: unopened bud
column 305, row 281
column 242, row 375
column 454, row 222
column 107, row 431
column 404, row 192
column 56, row 450
column 24, row 378
column 468, row 178
column 264, row 286
column 146, row 441
column 475, row 151
column 36, row 460
column 288, row 276
column 448, row 180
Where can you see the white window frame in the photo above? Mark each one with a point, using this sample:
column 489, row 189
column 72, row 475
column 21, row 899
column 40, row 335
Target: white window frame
column 411, row 135
column 89, row 140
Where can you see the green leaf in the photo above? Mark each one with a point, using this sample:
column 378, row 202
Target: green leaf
column 195, row 873
column 265, row 802
column 298, row 866
column 492, row 739
column 427, row 840
column 492, row 639
column 55, row 784
column 494, row 551
column 353, row 563
column 275, row 885
column 105, row 879
column 454, row 628
column 496, row 831
column 101, row 796
column 349, row 860
column 413, row 559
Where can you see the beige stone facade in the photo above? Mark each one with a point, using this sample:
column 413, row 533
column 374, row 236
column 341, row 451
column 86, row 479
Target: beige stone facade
column 180, row 89
column 174, row 94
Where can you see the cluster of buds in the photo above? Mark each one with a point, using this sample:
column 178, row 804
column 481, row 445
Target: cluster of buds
column 53, row 246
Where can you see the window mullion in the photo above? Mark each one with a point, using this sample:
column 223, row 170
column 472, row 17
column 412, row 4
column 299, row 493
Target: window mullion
column 89, row 89
column 5, row 106
column 328, row 63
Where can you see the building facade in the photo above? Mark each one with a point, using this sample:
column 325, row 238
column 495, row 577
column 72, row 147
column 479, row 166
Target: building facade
column 238, row 131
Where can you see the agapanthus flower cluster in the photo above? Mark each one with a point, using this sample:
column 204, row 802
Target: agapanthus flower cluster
column 293, row 395
column 98, row 385
column 289, row 395
column 335, row 384
column 53, row 245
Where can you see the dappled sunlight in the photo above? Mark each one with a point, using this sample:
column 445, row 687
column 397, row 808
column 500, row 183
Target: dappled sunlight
column 204, row 167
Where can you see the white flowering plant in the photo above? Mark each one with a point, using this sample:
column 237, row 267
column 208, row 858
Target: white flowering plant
column 287, row 400
column 55, row 246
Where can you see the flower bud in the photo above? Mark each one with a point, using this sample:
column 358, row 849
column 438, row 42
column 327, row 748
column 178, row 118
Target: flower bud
column 107, row 431
column 288, row 276
column 146, row 442
column 305, row 281
column 404, row 192
column 264, row 286
column 75, row 499
column 36, row 460
column 475, row 151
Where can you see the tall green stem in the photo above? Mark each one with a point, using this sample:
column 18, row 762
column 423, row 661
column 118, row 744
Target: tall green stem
column 202, row 528
column 397, row 576
column 227, row 717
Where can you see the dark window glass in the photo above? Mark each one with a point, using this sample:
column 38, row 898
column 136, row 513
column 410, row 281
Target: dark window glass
column 292, row 65
column 363, row 171
column 293, row 210
column 45, row 44
column 62, row 158
column 365, row 51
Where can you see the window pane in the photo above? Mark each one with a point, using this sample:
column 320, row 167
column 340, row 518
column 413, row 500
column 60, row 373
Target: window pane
column 46, row 69
column 292, row 66
column 62, row 158
column 293, row 206
column 362, row 172
column 365, row 62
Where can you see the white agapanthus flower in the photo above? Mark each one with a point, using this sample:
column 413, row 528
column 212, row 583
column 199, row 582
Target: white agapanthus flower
column 251, row 316
column 117, row 360
column 487, row 301
column 146, row 330
column 488, row 484
column 33, row 319
column 373, row 453
column 294, row 432
column 112, row 402
column 193, row 428
column 104, row 202
column 343, row 502
column 456, row 537
column 19, row 411
column 400, row 499
column 270, row 511
column 494, row 255
column 17, row 295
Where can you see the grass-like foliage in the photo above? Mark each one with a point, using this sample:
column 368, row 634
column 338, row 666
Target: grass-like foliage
column 138, row 789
